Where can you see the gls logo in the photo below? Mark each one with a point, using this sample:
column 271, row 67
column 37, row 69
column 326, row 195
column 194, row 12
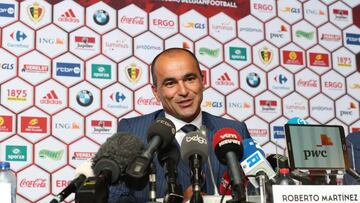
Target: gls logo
column 7, row 66
column 196, row 138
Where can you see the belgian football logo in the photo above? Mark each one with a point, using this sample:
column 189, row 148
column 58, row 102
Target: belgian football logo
column 36, row 12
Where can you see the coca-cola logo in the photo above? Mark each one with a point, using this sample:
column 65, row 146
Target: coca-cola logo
column 307, row 83
column 136, row 20
column 37, row 183
column 148, row 102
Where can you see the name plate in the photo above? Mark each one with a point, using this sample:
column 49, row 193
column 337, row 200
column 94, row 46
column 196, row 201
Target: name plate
column 316, row 193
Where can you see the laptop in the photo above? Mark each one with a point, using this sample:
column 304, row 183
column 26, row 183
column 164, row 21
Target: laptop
column 313, row 147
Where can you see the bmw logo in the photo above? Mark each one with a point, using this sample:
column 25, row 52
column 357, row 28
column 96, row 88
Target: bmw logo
column 84, row 98
column 253, row 79
column 101, row 17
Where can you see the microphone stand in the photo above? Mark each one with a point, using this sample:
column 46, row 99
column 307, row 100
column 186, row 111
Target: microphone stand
column 175, row 192
column 152, row 184
column 196, row 179
column 238, row 192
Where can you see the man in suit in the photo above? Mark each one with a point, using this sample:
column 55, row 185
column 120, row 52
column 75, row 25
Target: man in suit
column 177, row 84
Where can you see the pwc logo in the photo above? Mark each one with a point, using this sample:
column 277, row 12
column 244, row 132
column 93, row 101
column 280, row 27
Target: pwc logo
column 320, row 152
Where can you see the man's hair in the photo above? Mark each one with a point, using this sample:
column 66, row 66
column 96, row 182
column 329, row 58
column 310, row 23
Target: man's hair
column 171, row 51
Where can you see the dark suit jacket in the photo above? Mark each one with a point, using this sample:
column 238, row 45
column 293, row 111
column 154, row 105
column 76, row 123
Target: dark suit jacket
column 139, row 126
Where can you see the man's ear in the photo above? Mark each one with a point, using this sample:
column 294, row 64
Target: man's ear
column 155, row 92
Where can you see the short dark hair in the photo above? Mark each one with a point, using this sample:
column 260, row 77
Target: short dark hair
column 169, row 51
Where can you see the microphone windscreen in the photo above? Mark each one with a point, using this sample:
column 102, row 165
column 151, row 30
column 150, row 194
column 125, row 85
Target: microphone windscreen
column 110, row 165
column 194, row 143
column 277, row 161
column 164, row 128
column 171, row 152
column 121, row 148
column 85, row 168
column 227, row 140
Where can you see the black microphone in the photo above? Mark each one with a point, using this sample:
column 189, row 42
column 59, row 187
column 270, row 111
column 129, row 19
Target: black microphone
column 169, row 159
column 278, row 161
column 229, row 151
column 109, row 164
column 160, row 133
column 72, row 187
column 194, row 152
column 81, row 172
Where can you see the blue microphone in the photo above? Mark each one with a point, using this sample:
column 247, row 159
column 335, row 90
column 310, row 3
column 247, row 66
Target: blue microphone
column 297, row 120
column 254, row 162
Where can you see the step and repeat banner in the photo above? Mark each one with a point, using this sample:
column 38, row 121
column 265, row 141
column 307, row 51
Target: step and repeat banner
column 69, row 70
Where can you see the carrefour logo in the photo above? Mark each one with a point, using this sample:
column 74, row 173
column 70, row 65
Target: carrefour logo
column 18, row 35
column 282, row 79
column 7, row 10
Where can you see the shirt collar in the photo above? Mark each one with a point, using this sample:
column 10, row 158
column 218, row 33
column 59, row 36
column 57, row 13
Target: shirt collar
column 179, row 123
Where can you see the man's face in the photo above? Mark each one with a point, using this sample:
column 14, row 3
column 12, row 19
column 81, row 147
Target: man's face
column 178, row 85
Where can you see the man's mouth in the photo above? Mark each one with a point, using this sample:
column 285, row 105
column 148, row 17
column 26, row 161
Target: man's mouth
column 185, row 103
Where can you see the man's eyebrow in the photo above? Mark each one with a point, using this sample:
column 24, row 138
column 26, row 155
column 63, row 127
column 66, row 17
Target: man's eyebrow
column 168, row 79
column 190, row 75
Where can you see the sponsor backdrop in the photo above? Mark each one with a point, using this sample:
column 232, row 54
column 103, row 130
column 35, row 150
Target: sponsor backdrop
column 70, row 70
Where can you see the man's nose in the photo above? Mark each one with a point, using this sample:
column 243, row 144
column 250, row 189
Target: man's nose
column 182, row 89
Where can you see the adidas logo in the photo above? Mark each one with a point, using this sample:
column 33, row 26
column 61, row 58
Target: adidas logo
column 224, row 79
column 51, row 95
column 51, row 98
column 68, row 16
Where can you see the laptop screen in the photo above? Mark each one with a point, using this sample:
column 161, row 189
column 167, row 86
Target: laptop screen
column 316, row 146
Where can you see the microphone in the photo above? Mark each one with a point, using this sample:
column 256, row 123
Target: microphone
column 194, row 152
column 160, row 134
column 81, row 172
column 297, row 120
column 109, row 164
column 169, row 159
column 228, row 150
column 254, row 162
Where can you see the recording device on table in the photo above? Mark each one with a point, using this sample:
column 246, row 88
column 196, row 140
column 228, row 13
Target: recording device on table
column 194, row 152
column 318, row 148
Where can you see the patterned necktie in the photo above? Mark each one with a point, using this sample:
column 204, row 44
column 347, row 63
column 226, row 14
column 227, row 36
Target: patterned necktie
column 188, row 128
